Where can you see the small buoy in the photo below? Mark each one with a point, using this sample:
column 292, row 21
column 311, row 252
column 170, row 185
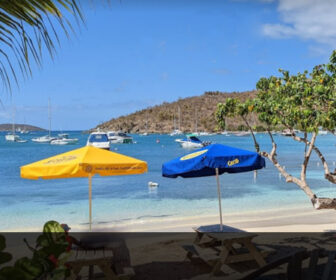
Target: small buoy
column 153, row 184
column 157, row 140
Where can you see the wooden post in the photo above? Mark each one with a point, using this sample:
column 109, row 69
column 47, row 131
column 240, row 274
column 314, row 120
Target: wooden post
column 219, row 200
column 90, row 200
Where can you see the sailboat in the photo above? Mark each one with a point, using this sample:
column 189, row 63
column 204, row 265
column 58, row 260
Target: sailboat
column 196, row 130
column 46, row 138
column 24, row 129
column 12, row 137
column 146, row 127
column 177, row 131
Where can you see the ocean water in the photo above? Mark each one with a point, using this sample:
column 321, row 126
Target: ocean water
column 127, row 200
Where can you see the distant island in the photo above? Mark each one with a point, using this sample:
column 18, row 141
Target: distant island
column 8, row 127
column 197, row 113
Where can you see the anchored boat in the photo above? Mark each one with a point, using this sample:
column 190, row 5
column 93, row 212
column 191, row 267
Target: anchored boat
column 191, row 141
column 119, row 138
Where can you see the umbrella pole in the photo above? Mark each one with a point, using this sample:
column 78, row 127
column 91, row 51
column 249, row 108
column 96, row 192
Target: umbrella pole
column 219, row 200
column 90, row 200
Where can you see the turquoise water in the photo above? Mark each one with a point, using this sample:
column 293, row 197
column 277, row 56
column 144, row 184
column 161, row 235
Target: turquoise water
column 27, row 204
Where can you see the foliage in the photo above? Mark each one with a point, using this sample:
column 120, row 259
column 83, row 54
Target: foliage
column 49, row 256
column 26, row 28
column 305, row 102
column 294, row 101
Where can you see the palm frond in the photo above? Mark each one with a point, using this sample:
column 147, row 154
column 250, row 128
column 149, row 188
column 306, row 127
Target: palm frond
column 27, row 27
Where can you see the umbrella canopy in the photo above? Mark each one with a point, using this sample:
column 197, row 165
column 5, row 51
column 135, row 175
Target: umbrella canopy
column 212, row 160
column 204, row 162
column 84, row 162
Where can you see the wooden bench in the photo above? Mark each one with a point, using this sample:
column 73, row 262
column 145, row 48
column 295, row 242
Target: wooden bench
column 295, row 269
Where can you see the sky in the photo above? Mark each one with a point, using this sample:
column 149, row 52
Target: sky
column 132, row 54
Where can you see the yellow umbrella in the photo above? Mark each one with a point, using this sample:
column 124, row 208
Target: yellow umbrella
column 84, row 162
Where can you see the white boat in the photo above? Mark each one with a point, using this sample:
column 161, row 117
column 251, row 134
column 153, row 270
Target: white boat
column 322, row 132
column 146, row 127
column 99, row 140
column 119, row 138
column 286, row 132
column 191, row 142
column 46, row 138
column 176, row 132
column 58, row 142
column 12, row 137
column 204, row 133
column 242, row 133
column 63, row 135
column 64, row 138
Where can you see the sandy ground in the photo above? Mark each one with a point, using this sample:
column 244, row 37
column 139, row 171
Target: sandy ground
column 303, row 218
column 157, row 252
column 297, row 219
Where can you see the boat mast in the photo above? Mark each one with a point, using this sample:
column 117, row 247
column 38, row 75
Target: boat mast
column 13, row 124
column 179, row 113
column 174, row 122
column 49, row 115
column 147, row 123
column 195, row 120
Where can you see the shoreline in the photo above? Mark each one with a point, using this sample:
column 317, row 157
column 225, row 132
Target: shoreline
column 301, row 218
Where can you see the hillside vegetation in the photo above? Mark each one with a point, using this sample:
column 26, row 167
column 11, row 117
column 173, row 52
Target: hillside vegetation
column 160, row 118
column 8, row 127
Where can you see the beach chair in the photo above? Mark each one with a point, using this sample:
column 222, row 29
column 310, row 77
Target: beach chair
column 321, row 266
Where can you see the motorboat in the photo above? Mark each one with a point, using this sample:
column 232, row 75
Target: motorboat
column 64, row 140
column 176, row 132
column 242, row 133
column 63, row 135
column 119, row 138
column 286, row 132
column 204, row 133
column 191, row 141
column 99, row 140
column 58, row 142
column 322, row 132
column 225, row 133
column 44, row 139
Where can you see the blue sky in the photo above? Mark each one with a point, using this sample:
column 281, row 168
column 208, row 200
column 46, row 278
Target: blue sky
column 134, row 54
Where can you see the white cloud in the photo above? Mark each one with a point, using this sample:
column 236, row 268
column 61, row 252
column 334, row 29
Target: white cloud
column 308, row 19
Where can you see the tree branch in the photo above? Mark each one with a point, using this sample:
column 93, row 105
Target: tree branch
column 307, row 157
column 256, row 144
column 330, row 176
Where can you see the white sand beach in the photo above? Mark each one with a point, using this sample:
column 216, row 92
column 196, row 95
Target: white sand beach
column 303, row 218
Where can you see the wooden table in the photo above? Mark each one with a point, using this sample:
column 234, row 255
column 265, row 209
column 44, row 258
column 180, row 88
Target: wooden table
column 225, row 248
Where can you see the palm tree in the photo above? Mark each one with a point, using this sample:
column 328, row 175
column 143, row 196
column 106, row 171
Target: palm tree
column 27, row 29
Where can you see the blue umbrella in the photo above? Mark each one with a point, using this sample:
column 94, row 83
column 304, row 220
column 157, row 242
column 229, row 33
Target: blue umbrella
column 213, row 160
